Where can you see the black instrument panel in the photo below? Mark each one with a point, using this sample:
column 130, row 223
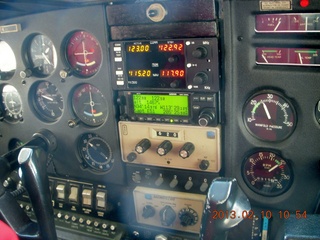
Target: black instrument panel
column 51, row 102
column 268, row 98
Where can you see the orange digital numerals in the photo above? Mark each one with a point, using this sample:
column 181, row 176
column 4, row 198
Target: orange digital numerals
column 283, row 214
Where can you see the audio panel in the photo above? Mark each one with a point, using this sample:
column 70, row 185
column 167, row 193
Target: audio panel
column 172, row 146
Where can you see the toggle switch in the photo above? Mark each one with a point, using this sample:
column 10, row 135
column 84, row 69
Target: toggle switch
column 73, row 197
column 61, row 191
column 87, row 197
column 101, row 200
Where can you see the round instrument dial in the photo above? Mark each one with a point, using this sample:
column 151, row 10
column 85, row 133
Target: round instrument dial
column 95, row 152
column 267, row 173
column 89, row 104
column 269, row 116
column 8, row 62
column 12, row 104
column 42, row 55
column 84, row 53
column 48, row 101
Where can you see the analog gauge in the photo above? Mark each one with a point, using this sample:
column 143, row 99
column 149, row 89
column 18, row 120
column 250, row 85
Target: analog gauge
column 89, row 104
column 48, row 101
column 12, row 104
column 267, row 173
column 84, row 53
column 95, row 152
column 269, row 116
column 7, row 61
column 42, row 55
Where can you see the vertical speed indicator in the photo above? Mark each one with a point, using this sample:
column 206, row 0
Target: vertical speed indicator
column 269, row 116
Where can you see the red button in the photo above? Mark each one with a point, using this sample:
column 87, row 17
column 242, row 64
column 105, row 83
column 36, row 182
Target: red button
column 304, row 3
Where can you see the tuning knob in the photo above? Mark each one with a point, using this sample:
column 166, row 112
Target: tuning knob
column 167, row 215
column 206, row 117
column 186, row 150
column 132, row 156
column 200, row 52
column 188, row 217
column 164, row 148
column 200, row 78
column 204, row 164
column 148, row 211
column 143, row 146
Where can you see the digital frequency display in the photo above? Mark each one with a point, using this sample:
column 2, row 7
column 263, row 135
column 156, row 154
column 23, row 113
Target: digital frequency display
column 170, row 47
column 155, row 64
column 160, row 104
column 138, row 48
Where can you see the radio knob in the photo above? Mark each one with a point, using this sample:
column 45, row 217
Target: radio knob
column 200, row 78
column 186, row 150
column 173, row 59
column 188, row 217
column 143, row 146
column 148, row 211
column 164, row 148
column 175, row 84
column 204, row 164
column 131, row 157
column 167, row 215
column 206, row 117
column 200, row 52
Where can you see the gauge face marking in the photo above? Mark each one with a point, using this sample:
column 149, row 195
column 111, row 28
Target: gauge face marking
column 269, row 116
column 48, row 101
column 8, row 62
column 89, row 104
column 84, row 53
column 42, row 55
column 267, row 173
column 12, row 104
column 95, row 152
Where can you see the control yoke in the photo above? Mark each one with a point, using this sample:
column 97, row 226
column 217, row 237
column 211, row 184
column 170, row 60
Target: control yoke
column 224, row 195
column 32, row 159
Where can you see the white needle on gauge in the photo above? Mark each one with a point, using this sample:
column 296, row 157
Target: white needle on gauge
column 274, row 167
column 266, row 110
column 45, row 58
column 300, row 57
column 275, row 29
column 264, row 58
column 46, row 97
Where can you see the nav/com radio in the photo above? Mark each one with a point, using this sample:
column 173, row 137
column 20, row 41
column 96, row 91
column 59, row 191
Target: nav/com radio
column 179, row 108
column 188, row 65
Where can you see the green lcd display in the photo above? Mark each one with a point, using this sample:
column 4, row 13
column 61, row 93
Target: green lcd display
column 160, row 104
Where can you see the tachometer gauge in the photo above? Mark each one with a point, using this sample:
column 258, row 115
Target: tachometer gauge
column 42, row 55
column 7, row 61
column 95, row 152
column 83, row 53
column 269, row 116
column 267, row 173
column 12, row 104
column 48, row 101
column 89, row 104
